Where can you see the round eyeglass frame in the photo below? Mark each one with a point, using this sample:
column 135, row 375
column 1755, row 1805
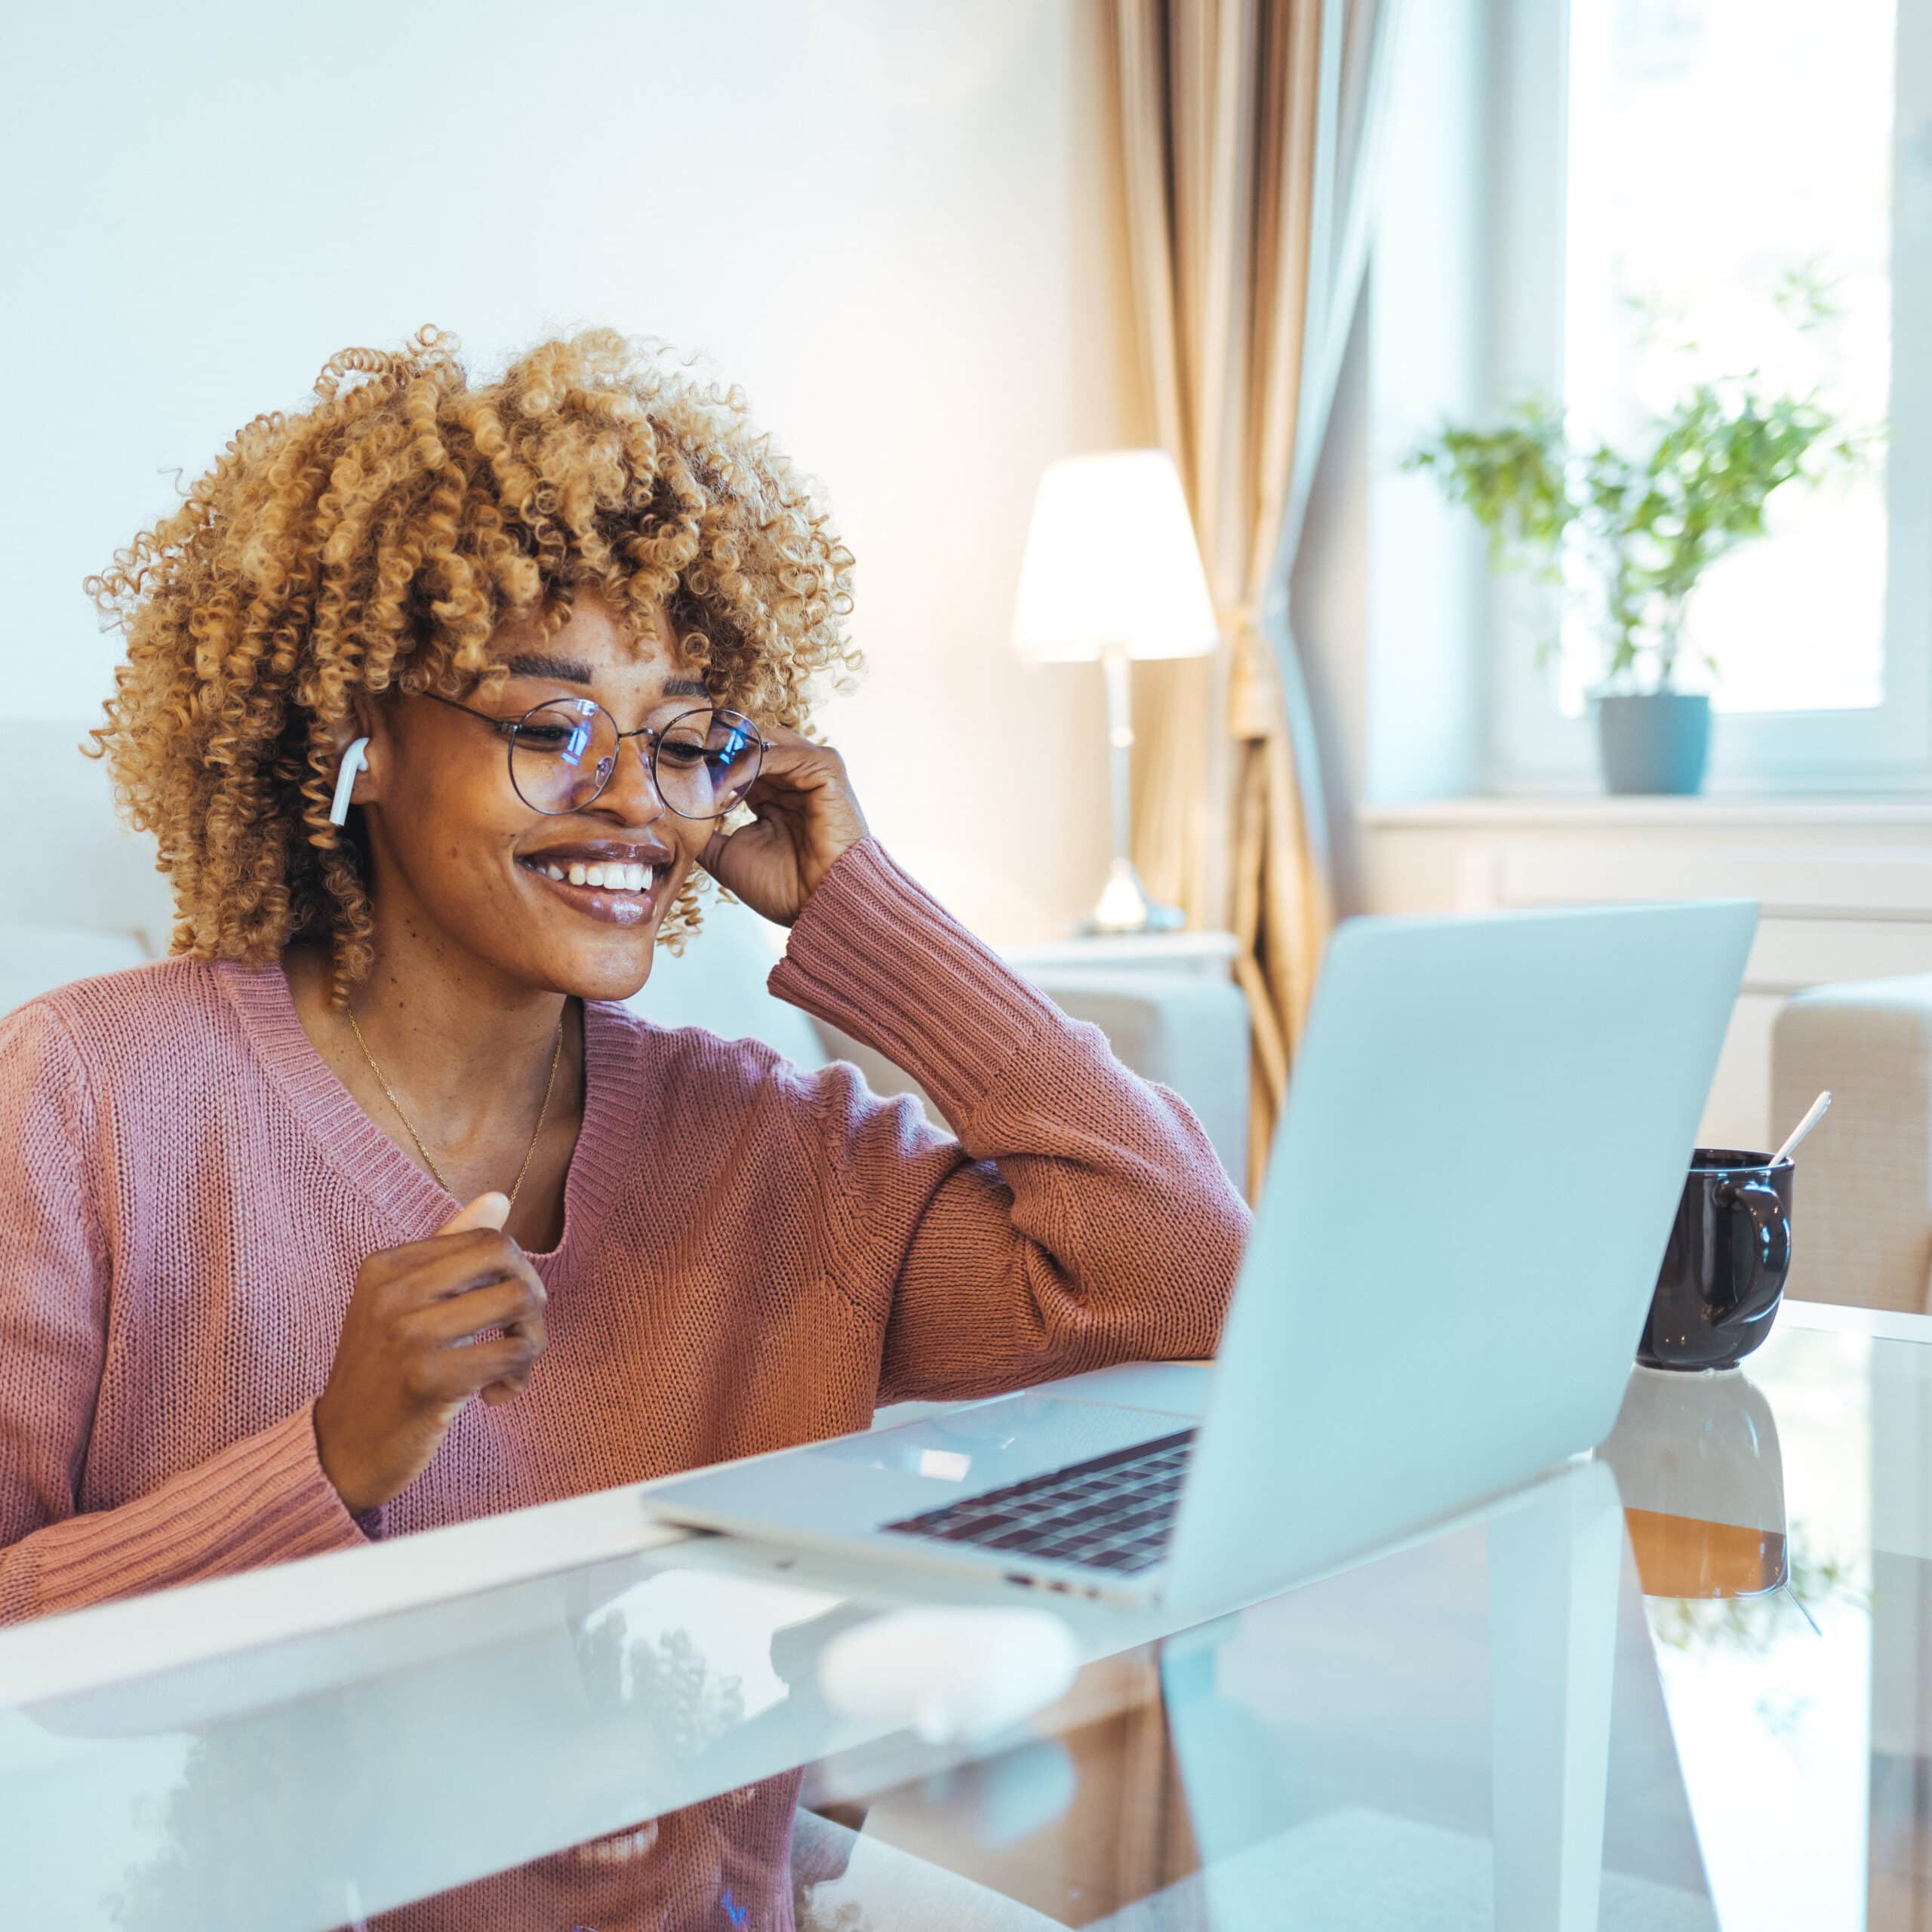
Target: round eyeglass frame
column 511, row 727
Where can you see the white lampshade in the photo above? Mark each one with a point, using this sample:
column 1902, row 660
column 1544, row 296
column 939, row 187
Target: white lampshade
column 1111, row 559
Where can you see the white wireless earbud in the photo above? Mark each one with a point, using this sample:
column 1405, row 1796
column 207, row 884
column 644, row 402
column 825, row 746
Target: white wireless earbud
column 353, row 760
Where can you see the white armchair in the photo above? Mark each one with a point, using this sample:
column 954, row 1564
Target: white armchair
column 1189, row 1032
column 1862, row 1210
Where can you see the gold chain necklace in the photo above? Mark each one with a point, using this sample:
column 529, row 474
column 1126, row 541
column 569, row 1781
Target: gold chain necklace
column 556, row 1053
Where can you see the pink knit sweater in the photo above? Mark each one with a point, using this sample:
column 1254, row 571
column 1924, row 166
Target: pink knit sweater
column 752, row 1255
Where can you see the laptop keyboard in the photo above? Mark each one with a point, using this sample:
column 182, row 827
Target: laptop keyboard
column 1113, row 1512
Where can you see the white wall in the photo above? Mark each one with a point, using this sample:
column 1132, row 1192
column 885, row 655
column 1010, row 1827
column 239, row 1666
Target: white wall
column 893, row 221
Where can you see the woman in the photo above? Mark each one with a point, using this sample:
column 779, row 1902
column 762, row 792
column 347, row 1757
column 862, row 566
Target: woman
column 436, row 698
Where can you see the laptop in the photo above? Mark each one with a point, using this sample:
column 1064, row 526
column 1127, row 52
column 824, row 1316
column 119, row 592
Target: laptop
column 1471, row 1187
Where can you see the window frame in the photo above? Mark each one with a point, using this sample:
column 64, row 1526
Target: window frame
column 1533, row 747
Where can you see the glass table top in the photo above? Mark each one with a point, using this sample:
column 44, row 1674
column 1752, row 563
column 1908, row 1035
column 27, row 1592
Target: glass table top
column 1683, row 1684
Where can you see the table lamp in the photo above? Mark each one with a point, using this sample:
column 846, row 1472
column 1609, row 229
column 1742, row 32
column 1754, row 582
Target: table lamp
column 1112, row 571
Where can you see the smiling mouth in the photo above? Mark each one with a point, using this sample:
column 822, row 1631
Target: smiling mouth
column 615, row 892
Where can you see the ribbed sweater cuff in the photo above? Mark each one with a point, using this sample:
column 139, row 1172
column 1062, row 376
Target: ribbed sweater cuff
column 316, row 1513
column 877, row 955
column 262, row 1500
column 274, row 1490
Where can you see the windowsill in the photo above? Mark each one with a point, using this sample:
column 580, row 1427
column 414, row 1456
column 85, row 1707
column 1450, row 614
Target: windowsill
column 1911, row 809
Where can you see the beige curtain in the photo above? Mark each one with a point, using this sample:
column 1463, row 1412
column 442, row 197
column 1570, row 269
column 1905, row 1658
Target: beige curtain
column 1245, row 130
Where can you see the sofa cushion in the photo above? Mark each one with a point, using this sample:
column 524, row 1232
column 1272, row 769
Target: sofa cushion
column 719, row 984
column 34, row 958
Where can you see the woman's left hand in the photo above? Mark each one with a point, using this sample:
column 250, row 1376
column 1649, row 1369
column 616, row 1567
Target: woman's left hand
column 807, row 817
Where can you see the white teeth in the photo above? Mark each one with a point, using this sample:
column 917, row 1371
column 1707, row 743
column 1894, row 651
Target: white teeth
column 613, row 875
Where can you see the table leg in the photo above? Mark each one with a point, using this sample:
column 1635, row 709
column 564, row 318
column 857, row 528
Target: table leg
column 1554, row 1567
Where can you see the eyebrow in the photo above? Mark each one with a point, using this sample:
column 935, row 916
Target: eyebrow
column 569, row 671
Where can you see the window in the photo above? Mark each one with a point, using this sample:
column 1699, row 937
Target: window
column 1700, row 189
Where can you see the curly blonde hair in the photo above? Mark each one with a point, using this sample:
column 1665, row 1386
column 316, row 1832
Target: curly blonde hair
column 375, row 540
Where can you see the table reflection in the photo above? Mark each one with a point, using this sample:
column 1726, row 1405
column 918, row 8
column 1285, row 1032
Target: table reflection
column 1754, row 1545
column 1697, row 1459
column 1469, row 1732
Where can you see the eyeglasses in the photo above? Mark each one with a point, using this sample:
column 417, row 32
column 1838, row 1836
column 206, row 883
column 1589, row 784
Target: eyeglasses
column 563, row 753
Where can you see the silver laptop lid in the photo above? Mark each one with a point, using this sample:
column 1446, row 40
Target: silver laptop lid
column 1469, row 1193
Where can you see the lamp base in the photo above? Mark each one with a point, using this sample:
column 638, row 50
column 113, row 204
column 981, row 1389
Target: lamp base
column 1124, row 906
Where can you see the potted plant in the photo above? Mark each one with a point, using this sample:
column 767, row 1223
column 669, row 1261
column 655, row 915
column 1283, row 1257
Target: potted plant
column 1647, row 524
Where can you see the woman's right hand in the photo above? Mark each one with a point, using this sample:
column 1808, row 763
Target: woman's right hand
column 401, row 1375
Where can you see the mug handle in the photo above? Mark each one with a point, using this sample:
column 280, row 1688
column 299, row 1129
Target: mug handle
column 1770, row 1248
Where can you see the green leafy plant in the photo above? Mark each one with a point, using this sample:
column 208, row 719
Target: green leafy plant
column 1648, row 522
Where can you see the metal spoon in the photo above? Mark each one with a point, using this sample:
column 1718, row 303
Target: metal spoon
column 1813, row 1117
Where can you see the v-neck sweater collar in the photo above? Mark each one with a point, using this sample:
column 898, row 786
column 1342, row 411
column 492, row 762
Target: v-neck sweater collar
column 373, row 1163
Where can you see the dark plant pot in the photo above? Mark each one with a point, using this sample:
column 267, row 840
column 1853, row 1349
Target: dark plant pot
column 1653, row 741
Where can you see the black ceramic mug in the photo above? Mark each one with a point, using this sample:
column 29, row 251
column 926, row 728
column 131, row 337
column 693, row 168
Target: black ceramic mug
column 1724, row 1269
